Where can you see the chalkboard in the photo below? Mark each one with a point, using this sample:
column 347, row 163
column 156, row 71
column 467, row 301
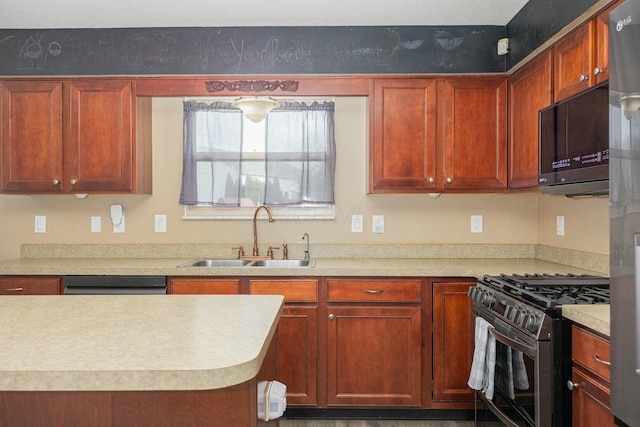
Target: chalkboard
column 537, row 22
column 251, row 50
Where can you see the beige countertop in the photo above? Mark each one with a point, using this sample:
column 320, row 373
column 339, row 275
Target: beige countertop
column 596, row 316
column 434, row 267
column 167, row 342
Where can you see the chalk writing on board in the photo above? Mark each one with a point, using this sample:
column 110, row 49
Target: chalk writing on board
column 271, row 54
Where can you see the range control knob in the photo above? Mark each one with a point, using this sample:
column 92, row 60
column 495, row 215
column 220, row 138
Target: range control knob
column 531, row 322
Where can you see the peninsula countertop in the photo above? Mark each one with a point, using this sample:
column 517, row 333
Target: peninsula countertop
column 592, row 316
column 433, row 267
column 165, row 342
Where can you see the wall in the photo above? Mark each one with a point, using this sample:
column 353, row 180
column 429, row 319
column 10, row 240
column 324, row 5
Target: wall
column 512, row 218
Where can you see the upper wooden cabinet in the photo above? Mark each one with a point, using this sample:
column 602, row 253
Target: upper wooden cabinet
column 85, row 136
column 530, row 89
column 438, row 135
column 582, row 57
column 402, row 156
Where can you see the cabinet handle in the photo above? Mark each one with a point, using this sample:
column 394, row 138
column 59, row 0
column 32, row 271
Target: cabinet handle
column 449, row 180
column 583, row 78
column 604, row 362
column 72, row 181
column 56, row 182
column 596, row 71
column 14, row 290
column 332, row 316
column 374, row 291
column 571, row 385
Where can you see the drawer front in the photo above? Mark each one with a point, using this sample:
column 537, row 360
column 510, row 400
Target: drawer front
column 30, row 286
column 203, row 286
column 292, row 290
column 592, row 352
column 374, row 290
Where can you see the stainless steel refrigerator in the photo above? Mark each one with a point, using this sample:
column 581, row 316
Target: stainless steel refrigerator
column 624, row 181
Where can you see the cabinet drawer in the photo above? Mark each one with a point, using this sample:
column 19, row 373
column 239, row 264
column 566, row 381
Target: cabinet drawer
column 592, row 352
column 374, row 290
column 292, row 290
column 30, row 286
column 203, row 286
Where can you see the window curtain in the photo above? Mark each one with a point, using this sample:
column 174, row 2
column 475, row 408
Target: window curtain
column 298, row 165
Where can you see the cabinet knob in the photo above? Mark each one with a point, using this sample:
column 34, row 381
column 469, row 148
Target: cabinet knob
column 449, row 180
column 72, row 181
column 571, row 385
column 583, row 78
column 332, row 316
column 56, row 182
column 596, row 71
column 431, row 180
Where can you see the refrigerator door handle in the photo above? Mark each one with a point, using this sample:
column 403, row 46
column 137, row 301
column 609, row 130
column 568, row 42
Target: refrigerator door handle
column 637, row 295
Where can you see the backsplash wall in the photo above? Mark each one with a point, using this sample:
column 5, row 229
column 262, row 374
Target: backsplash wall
column 409, row 218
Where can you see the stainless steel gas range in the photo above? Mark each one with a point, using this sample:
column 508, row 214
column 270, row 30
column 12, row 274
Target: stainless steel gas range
column 532, row 343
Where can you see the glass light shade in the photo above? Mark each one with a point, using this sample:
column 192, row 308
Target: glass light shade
column 255, row 108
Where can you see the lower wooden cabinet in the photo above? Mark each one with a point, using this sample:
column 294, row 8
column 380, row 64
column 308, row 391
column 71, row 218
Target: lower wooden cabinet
column 453, row 326
column 202, row 285
column 590, row 380
column 37, row 285
column 297, row 337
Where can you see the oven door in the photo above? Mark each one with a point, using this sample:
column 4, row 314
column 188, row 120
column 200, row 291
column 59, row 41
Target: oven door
column 522, row 373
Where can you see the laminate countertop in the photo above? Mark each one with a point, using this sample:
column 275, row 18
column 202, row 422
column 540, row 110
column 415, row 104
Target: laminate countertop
column 592, row 316
column 380, row 267
column 158, row 342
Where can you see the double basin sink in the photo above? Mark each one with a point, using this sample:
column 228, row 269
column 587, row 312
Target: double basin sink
column 234, row 263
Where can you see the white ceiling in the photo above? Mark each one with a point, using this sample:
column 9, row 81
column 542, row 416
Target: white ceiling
column 27, row 14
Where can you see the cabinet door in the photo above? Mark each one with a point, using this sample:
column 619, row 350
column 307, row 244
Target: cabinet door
column 30, row 286
column 452, row 342
column 601, row 67
column 297, row 336
column 475, row 138
column 529, row 91
column 591, row 401
column 402, row 158
column 99, row 156
column 202, row 285
column 573, row 62
column 373, row 356
column 31, row 137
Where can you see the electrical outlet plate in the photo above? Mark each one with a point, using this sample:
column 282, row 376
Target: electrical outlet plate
column 357, row 223
column 560, row 225
column 96, row 224
column 378, row 223
column 40, row 224
column 476, row 223
column 161, row 223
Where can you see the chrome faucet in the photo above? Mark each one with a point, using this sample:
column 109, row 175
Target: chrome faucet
column 305, row 236
column 255, row 227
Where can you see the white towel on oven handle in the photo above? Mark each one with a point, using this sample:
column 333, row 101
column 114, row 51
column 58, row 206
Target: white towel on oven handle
column 483, row 367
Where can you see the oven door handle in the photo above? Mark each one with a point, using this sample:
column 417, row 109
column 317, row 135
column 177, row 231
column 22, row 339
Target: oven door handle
column 523, row 348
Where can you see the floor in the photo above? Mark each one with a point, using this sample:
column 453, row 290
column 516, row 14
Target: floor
column 377, row 423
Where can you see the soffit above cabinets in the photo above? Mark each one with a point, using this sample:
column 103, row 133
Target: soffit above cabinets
column 33, row 14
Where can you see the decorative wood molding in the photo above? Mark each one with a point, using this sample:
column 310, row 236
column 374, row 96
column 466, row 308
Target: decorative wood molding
column 252, row 85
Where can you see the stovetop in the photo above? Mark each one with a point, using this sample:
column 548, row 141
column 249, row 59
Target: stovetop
column 552, row 291
column 530, row 302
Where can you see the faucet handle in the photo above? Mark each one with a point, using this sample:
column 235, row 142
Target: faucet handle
column 270, row 251
column 285, row 251
column 240, row 250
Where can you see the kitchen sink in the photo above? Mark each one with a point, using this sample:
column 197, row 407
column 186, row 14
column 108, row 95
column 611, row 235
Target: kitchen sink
column 221, row 263
column 283, row 263
column 268, row 263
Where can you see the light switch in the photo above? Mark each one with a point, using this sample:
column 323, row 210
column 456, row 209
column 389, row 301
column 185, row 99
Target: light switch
column 476, row 223
column 161, row 223
column 357, row 223
column 560, row 225
column 96, row 224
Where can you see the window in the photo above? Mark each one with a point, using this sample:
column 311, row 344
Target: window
column 231, row 165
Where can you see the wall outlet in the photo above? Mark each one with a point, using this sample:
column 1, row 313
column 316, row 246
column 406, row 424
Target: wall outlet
column 357, row 223
column 560, row 225
column 378, row 223
column 476, row 223
column 96, row 224
column 160, row 223
column 40, row 224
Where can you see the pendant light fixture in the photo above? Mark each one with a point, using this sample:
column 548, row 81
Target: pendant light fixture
column 255, row 108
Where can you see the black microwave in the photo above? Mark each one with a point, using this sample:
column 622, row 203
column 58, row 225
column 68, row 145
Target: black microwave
column 574, row 144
